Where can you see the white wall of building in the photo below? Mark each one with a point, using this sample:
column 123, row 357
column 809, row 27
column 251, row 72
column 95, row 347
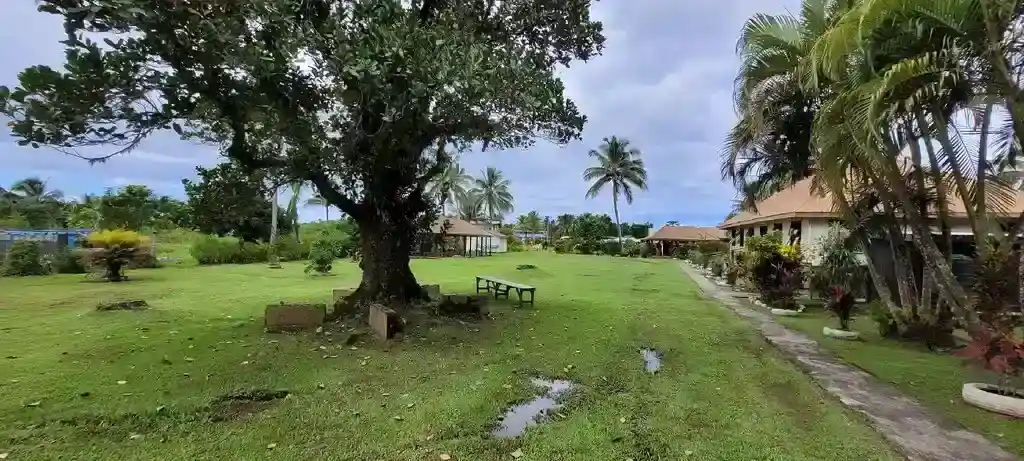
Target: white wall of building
column 811, row 232
column 497, row 244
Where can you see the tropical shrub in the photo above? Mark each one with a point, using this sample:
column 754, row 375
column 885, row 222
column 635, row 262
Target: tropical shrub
column 563, row 246
column 287, row 248
column 994, row 344
column 209, row 250
column 682, row 252
column 717, row 265
column 515, row 244
column 631, row 248
column 611, row 248
column 113, row 250
column 24, row 258
column 586, row 233
column 839, row 266
column 646, row 251
column 842, row 305
column 69, row 261
column 321, row 256
column 776, row 270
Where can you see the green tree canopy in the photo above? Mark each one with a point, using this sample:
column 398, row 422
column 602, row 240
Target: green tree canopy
column 362, row 93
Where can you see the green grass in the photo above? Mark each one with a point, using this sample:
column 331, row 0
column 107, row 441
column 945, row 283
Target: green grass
column 722, row 393
column 934, row 379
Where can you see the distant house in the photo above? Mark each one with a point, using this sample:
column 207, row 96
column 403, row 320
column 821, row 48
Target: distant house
column 668, row 238
column 470, row 240
column 803, row 216
column 51, row 239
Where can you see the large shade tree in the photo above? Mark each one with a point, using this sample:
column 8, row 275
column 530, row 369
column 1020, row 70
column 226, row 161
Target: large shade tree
column 619, row 167
column 361, row 91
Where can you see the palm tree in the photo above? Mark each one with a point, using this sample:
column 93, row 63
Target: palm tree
column 470, row 207
column 672, row 223
column 34, row 189
column 292, row 210
column 563, row 223
column 451, row 186
column 316, row 199
column 620, row 166
column 492, row 188
column 769, row 149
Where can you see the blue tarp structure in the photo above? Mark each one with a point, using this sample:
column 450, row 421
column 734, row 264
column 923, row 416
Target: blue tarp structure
column 52, row 239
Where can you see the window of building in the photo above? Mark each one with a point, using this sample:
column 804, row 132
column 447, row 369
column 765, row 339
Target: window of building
column 764, row 230
column 777, row 227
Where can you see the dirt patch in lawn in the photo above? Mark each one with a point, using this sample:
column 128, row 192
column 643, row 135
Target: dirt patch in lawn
column 240, row 405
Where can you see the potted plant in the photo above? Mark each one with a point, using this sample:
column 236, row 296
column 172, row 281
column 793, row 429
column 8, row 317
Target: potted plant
column 1002, row 353
column 994, row 344
column 841, row 305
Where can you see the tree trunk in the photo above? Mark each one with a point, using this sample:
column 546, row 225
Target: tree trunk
column 386, row 243
column 327, row 212
column 618, row 226
column 273, row 230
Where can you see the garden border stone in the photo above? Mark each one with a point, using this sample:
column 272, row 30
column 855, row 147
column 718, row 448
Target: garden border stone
column 913, row 429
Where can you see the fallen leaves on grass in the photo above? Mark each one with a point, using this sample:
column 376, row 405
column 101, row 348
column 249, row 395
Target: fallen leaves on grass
column 517, row 454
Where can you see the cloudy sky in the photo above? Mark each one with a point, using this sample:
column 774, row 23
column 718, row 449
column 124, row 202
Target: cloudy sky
column 664, row 82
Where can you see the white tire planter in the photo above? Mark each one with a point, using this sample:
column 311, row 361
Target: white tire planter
column 785, row 312
column 975, row 394
column 839, row 334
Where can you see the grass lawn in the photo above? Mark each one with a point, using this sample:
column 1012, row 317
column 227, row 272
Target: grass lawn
column 151, row 375
column 931, row 378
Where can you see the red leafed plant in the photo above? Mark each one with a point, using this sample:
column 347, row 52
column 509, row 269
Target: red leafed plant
column 996, row 351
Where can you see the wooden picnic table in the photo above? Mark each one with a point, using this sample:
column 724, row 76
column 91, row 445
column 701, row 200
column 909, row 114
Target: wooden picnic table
column 502, row 287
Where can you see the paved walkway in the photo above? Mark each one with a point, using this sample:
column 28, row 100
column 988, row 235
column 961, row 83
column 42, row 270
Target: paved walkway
column 914, row 430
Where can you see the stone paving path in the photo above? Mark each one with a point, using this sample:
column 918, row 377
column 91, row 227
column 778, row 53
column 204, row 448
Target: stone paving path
column 913, row 429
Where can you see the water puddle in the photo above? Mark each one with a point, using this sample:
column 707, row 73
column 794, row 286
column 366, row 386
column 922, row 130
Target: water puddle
column 652, row 360
column 519, row 417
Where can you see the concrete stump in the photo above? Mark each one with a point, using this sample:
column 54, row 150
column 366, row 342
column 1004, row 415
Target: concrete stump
column 294, row 317
column 433, row 291
column 384, row 322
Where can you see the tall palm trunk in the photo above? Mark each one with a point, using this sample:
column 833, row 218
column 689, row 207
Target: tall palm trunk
column 327, row 212
column 615, row 207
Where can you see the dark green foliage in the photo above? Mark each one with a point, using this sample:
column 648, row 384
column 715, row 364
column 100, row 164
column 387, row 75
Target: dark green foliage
column 839, row 265
column 24, row 258
column 632, row 248
column 682, row 252
column 321, row 256
column 514, row 243
column 69, row 261
column 775, row 270
column 209, row 250
column 563, row 246
column 229, row 201
column 587, row 232
column 144, row 258
column 611, row 248
column 288, row 248
column 842, row 305
column 646, row 251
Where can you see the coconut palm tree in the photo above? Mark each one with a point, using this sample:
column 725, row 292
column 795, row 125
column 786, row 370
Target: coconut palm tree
column 451, row 186
column 493, row 190
column 470, row 207
column 769, row 149
column 292, row 210
column 619, row 166
column 34, row 189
